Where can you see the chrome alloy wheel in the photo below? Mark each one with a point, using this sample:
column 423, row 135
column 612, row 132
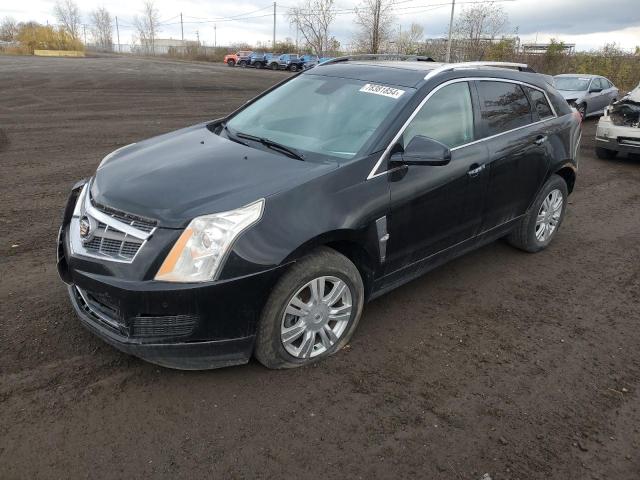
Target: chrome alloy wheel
column 549, row 215
column 316, row 317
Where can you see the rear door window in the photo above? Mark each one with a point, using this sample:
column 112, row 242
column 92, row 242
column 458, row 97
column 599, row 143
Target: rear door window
column 504, row 106
column 539, row 103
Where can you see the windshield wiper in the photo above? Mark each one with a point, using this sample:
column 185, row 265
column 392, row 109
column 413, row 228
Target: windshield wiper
column 232, row 136
column 273, row 145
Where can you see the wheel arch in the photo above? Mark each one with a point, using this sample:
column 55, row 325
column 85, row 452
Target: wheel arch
column 352, row 244
column 568, row 173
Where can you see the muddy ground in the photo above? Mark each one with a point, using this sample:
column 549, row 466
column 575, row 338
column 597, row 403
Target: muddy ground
column 521, row 366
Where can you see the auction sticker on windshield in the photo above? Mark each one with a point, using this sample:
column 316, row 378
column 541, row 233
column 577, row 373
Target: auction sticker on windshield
column 382, row 90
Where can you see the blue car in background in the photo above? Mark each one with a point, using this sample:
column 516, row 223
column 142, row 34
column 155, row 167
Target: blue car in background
column 287, row 61
column 261, row 59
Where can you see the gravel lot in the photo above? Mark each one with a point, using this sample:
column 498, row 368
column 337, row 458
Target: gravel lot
column 521, row 366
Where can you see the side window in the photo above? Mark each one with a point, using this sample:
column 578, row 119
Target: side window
column 446, row 117
column 504, row 106
column 539, row 103
column 597, row 83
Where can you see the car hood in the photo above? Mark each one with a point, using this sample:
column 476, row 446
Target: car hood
column 571, row 94
column 190, row 172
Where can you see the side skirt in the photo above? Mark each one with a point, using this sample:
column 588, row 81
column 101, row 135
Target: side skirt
column 410, row 272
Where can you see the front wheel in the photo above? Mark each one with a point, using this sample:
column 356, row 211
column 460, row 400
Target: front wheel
column 293, row 68
column 258, row 65
column 312, row 311
column 540, row 225
column 275, row 66
column 231, row 63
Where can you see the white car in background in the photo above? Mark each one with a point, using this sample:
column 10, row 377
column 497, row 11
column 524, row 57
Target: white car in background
column 619, row 128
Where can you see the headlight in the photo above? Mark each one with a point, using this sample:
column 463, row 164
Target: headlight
column 199, row 252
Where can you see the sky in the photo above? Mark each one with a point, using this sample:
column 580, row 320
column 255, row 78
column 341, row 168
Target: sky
column 588, row 24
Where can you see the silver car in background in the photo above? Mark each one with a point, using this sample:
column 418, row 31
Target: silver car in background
column 589, row 94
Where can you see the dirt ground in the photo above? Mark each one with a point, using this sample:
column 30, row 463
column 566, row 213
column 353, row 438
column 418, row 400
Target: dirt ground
column 521, row 366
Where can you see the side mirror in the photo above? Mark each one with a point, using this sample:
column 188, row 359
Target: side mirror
column 595, row 90
column 423, row 151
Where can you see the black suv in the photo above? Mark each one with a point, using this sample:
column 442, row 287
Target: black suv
column 265, row 232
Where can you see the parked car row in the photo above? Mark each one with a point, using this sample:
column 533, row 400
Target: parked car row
column 274, row 61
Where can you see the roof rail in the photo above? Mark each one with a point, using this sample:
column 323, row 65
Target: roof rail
column 378, row 56
column 523, row 67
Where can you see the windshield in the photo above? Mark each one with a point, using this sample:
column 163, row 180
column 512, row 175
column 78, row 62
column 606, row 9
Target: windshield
column 314, row 114
column 574, row 84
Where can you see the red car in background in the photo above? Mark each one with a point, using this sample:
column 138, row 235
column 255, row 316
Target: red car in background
column 237, row 58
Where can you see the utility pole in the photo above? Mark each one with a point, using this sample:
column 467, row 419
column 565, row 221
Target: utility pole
column 273, row 45
column 181, row 27
column 215, row 36
column 453, row 6
column 84, row 29
column 198, row 36
column 118, row 33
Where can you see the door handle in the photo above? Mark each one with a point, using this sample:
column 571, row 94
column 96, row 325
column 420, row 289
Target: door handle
column 540, row 139
column 475, row 170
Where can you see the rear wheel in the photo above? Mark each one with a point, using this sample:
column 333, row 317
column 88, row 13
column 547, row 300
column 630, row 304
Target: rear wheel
column 242, row 63
column 293, row 68
column 258, row 65
column 605, row 153
column 274, row 66
column 312, row 311
column 540, row 225
column 231, row 63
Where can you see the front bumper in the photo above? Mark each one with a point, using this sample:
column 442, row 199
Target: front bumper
column 618, row 138
column 185, row 326
column 199, row 355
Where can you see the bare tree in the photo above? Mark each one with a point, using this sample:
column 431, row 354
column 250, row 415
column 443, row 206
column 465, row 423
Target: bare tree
column 8, row 29
column 375, row 19
column 312, row 19
column 68, row 14
column 408, row 41
column 102, row 28
column 477, row 26
column 148, row 25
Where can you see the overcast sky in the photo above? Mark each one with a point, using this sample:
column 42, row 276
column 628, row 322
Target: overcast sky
column 587, row 23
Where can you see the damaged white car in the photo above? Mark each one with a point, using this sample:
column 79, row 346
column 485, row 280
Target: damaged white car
column 619, row 128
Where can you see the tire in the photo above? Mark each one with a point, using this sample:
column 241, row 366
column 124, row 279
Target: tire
column 258, row 65
column 605, row 153
column 275, row 66
column 325, row 263
column 525, row 235
column 231, row 63
column 242, row 63
column 293, row 68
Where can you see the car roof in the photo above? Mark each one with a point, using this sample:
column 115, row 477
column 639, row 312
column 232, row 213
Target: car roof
column 414, row 74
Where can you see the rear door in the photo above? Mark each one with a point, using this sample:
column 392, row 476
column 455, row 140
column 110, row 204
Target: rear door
column 518, row 146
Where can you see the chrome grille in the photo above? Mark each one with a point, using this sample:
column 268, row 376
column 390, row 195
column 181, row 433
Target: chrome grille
column 144, row 224
column 115, row 235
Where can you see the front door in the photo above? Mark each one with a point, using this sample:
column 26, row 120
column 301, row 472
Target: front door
column 435, row 207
